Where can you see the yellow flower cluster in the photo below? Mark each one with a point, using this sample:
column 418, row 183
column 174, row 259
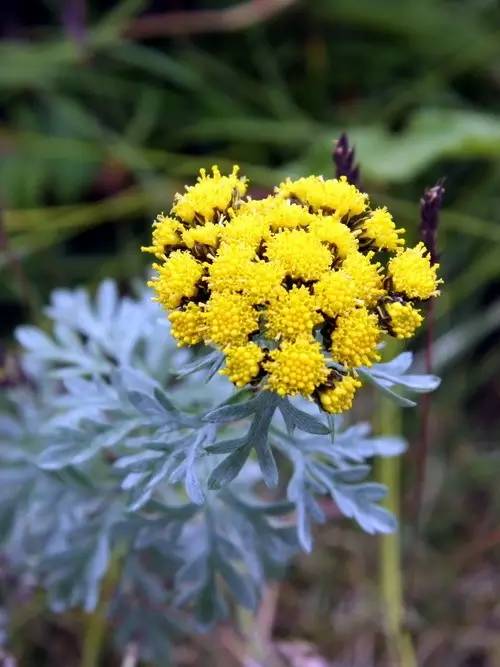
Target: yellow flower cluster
column 296, row 289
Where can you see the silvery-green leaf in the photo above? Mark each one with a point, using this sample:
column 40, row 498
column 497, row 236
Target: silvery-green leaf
column 267, row 462
column 59, row 456
column 198, row 364
column 96, row 569
column 106, row 300
column 234, row 411
column 214, row 367
column 226, row 446
column 397, row 366
column 302, row 420
column 238, row 584
column 229, row 468
column 33, row 339
column 145, row 404
column 400, row 400
column 419, row 383
column 138, row 461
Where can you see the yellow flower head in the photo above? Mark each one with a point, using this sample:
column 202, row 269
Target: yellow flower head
column 366, row 276
column 292, row 315
column 207, row 234
column 404, row 319
column 177, row 279
column 301, row 254
column 166, row 234
column 280, row 213
column 242, row 363
column 296, row 368
column 230, row 267
column 188, row 324
column 262, row 281
column 245, row 229
column 333, row 195
column 355, row 338
column 210, row 196
column 380, row 229
column 330, row 230
column 230, row 319
column 412, row 273
column 336, row 293
column 339, row 398
column 296, row 269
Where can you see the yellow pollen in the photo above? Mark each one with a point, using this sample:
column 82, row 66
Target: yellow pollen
column 207, row 234
column 379, row 227
column 166, row 233
column 405, row 319
column 301, row 254
column 177, row 279
column 330, row 230
column 339, row 398
column 242, row 363
column 412, row 273
column 292, row 315
column 355, row 338
column 230, row 319
column 331, row 195
column 211, row 195
column 296, row 368
column 366, row 277
column 336, row 293
column 188, row 325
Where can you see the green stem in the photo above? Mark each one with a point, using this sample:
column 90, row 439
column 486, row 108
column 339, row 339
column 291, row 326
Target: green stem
column 96, row 622
column 94, row 637
column 390, row 569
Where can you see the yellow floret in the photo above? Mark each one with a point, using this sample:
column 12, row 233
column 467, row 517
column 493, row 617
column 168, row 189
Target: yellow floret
column 301, row 254
column 296, row 368
column 166, row 233
column 230, row 319
column 207, row 234
column 379, row 228
column 262, row 281
column 188, row 325
column 412, row 273
column 335, row 293
column 211, row 195
column 245, row 228
column 242, row 363
column 292, row 315
column 177, row 278
column 279, row 213
column 340, row 397
column 365, row 275
column 355, row 338
column 329, row 229
column 332, row 195
column 229, row 268
column 405, row 319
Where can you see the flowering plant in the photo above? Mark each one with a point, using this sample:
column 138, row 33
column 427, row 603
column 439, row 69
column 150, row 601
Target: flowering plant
column 128, row 460
column 296, row 290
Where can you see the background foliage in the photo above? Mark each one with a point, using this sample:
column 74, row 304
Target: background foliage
column 102, row 121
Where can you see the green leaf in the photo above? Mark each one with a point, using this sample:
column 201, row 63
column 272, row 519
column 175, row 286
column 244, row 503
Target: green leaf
column 302, row 420
column 229, row 468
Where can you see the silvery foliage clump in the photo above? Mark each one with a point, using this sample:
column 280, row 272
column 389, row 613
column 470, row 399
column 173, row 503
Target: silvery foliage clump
column 124, row 449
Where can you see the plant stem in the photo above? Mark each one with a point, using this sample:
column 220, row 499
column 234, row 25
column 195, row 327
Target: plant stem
column 94, row 636
column 422, row 449
column 96, row 622
column 390, row 570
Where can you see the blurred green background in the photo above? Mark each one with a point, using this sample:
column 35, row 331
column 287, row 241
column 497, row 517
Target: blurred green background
column 107, row 108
